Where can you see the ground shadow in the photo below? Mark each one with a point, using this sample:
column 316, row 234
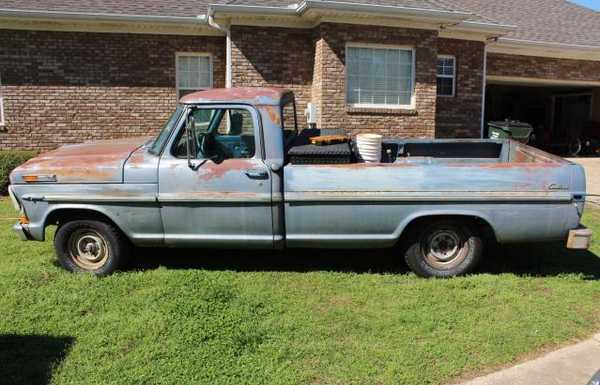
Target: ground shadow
column 547, row 259
column 542, row 259
column 29, row 359
column 298, row 260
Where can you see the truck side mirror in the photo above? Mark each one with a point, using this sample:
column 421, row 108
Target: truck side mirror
column 190, row 139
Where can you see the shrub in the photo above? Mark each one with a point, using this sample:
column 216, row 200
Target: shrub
column 9, row 160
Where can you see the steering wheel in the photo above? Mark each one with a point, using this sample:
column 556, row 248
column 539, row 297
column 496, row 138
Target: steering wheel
column 208, row 144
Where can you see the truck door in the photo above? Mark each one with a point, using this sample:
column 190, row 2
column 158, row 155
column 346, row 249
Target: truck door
column 223, row 198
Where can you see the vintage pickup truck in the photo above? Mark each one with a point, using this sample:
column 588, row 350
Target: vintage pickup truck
column 221, row 174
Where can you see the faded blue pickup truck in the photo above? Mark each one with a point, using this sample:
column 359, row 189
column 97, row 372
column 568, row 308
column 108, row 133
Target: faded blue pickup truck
column 231, row 169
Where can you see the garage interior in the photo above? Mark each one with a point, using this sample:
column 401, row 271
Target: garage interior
column 565, row 117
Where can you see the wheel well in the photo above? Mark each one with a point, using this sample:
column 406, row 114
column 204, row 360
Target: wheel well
column 481, row 225
column 57, row 217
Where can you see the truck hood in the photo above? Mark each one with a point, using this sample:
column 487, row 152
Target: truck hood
column 93, row 162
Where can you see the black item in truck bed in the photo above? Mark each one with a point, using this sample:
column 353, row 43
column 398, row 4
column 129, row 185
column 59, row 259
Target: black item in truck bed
column 329, row 154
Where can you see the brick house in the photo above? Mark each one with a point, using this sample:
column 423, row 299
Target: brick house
column 78, row 70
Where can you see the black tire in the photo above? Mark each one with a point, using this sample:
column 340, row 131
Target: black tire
column 443, row 249
column 91, row 246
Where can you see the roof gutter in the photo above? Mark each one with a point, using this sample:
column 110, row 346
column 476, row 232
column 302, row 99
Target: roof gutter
column 511, row 46
column 490, row 28
column 24, row 13
column 252, row 9
column 390, row 10
column 307, row 5
column 545, row 44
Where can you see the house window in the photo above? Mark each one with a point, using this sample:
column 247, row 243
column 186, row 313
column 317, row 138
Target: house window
column 446, row 75
column 194, row 72
column 379, row 76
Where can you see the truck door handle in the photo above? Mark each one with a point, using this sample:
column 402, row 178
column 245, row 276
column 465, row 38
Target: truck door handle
column 257, row 173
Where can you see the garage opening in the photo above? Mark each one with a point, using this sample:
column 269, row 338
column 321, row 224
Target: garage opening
column 565, row 118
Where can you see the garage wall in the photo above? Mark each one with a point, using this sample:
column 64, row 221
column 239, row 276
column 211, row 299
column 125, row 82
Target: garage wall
column 460, row 116
column 542, row 67
column 67, row 87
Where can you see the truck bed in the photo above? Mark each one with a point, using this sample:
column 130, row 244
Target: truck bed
column 421, row 151
column 497, row 180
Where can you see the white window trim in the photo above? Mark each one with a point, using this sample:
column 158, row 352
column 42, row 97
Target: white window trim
column 412, row 104
column 210, row 70
column 453, row 76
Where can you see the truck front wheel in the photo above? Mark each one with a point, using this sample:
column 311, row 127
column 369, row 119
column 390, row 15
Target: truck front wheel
column 444, row 248
column 90, row 246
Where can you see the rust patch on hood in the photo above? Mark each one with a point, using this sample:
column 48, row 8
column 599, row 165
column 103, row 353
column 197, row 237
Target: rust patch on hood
column 94, row 162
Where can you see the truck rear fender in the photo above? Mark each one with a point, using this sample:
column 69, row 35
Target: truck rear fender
column 483, row 223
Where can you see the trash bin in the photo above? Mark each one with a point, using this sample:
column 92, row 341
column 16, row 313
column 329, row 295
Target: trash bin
column 510, row 129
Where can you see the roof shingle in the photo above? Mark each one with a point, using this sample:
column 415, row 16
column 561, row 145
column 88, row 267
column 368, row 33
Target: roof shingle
column 555, row 21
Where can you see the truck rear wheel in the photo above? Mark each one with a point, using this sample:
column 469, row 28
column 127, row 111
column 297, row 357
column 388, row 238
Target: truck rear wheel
column 90, row 246
column 444, row 248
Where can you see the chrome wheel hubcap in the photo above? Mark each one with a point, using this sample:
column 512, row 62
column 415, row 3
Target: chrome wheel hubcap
column 88, row 249
column 444, row 246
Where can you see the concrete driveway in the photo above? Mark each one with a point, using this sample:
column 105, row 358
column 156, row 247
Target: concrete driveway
column 592, row 176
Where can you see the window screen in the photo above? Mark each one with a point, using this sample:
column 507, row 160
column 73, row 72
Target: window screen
column 446, row 71
column 194, row 73
column 379, row 76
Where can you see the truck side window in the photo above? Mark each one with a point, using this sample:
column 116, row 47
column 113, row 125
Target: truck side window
column 221, row 134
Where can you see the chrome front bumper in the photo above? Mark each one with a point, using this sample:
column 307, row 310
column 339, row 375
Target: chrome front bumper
column 21, row 232
column 579, row 239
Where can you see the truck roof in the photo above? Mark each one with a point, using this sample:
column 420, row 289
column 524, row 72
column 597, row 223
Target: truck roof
column 246, row 95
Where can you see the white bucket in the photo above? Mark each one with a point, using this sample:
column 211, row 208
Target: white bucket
column 369, row 147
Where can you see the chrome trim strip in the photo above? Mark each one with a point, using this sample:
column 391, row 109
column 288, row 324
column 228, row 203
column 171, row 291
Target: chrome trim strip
column 92, row 198
column 426, row 196
column 216, row 197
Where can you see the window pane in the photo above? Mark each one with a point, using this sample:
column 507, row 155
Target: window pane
column 379, row 75
column 445, row 66
column 193, row 72
column 234, row 137
column 444, row 86
column 231, row 130
column 405, row 98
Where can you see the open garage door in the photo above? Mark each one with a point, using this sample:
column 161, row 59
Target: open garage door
column 565, row 115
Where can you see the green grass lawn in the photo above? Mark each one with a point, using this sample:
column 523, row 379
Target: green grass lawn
column 313, row 317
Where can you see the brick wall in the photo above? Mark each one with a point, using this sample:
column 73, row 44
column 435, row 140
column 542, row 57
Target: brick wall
column 66, row 87
column 460, row 116
column 329, row 90
column 542, row 67
column 279, row 57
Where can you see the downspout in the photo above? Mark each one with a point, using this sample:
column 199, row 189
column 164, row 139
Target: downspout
column 227, row 32
column 482, row 129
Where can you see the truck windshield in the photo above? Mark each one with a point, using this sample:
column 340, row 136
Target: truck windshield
column 169, row 126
